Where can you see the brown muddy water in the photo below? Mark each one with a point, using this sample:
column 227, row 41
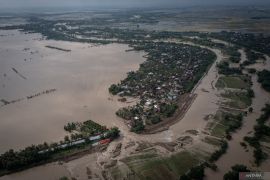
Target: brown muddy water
column 236, row 154
column 81, row 79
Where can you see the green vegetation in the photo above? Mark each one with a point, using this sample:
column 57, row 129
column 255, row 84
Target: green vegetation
column 194, row 173
column 261, row 131
column 264, row 79
column 213, row 141
column 12, row 161
column 70, row 127
column 63, row 178
column 149, row 166
column 257, row 42
column 114, row 89
column 223, row 68
column 112, row 133
column 155, row 119
column 219, row 131
column 128, row 113
column 231, row 50
column 84, row 129
column 234, row 173
column 234, row 55
column 236, row 82
column 90, row 127
column 238, row 99
column 137, row 126
column 252, row 70
column 226, row 123
column 167, row 110
column 252, row 57
column 218, row 153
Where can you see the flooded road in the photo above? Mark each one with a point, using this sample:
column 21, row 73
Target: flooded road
column 80, row 78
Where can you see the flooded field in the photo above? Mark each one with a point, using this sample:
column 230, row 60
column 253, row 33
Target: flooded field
column 46, row 84
column 64, row 86
column 236, row 154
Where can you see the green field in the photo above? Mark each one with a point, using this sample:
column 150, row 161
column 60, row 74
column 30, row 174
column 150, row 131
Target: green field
column 235, row 82
column 225, row 123
column 152, row 167
column 219, row 131
column 212, row 141
column 237, row 99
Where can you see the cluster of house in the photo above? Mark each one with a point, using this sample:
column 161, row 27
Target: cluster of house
column 163, row 77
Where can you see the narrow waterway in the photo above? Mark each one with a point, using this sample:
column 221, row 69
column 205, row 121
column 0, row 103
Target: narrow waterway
column 236, row 154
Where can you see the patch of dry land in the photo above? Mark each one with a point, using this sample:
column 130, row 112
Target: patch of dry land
column 208, row 134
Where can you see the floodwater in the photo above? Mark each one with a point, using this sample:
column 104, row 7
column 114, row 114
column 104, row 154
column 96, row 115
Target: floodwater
column 81, row 79
column 52, row 171
column 204, row 104
column 236, row 154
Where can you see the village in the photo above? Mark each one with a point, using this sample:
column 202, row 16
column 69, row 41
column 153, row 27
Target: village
column 175, row 63
column 170, row 71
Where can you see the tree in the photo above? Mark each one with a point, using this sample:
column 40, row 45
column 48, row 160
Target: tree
column 66, row 138
column 63, row 178
column 234, row 173
column 70, row 127
column 184, row 177
column 196, row 172
column 264, row 79
column 113, row 133
column 114, row 89
column 251, row 93
column 137, row 127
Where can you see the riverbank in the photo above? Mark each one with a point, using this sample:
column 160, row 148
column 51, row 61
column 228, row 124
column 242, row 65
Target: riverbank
column 236, row 154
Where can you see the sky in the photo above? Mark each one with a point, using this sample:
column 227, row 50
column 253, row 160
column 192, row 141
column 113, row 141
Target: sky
column 124, row 3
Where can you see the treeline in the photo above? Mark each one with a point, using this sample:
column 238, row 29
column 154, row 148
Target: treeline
column 252, row 57
column 196, row 172
column 264, row 79
column 223, row 68
column 233, row 174
column 261, row 130
column 234, row 123
column 12, row 161
column 258, row 42
column 218, row 153
column 234, row 55
column 87, row 128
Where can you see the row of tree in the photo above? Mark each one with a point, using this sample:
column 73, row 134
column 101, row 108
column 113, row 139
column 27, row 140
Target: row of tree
column 38, row 154
column 224, row 68
column 261, row 130
column 264, row 79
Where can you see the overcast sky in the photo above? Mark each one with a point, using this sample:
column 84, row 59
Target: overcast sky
column 124, row 3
